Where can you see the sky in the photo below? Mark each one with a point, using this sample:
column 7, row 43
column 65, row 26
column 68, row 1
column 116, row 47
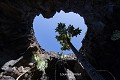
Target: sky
column 45, row 30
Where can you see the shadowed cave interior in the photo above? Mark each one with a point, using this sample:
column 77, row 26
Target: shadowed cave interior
column 17, row 39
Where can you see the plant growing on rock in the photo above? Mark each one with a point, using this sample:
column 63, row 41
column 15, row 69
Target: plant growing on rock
column 115, row 35
column 64, row 36
column 40, row 64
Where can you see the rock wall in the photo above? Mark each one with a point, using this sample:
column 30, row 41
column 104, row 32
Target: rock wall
column 101, row 17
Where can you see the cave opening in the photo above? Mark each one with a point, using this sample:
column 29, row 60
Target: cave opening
column 45, row 30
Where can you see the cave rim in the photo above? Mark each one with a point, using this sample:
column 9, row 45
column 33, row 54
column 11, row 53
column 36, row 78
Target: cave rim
column 78, row 10
column 81, row 25
column 66, row 13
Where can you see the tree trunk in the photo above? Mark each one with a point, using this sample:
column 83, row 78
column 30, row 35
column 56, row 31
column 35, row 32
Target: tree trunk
column 94, row 75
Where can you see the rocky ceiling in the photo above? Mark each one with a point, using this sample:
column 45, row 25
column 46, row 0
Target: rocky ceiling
column 102, row 18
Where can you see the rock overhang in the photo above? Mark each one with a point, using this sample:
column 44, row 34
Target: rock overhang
column 16, row 32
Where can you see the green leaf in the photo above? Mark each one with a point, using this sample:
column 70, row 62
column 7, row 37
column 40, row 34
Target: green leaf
column 115, row 35
column 41, row 64
column 64, row 33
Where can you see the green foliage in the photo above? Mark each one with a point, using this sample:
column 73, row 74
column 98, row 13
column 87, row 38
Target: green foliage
column 40, row 64
column 116, row 35
column 65, row 33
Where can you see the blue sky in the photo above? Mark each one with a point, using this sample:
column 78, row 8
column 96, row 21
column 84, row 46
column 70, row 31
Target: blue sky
column 45, row 30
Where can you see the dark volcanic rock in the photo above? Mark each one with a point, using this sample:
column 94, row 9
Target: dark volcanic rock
column 102, row 18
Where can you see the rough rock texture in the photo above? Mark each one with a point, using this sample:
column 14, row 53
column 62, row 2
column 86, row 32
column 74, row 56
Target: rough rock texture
column 65, row 68
column 102, row 18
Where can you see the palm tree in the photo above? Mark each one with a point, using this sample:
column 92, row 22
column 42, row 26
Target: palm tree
column 64, row 36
